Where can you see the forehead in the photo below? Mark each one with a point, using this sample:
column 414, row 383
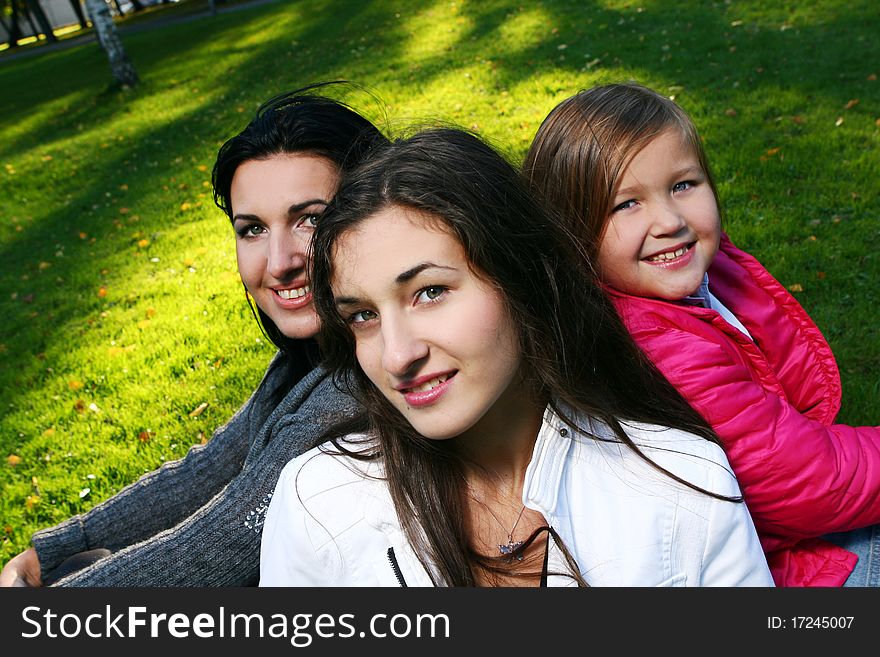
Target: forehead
column 390, row 242
column 283, row 176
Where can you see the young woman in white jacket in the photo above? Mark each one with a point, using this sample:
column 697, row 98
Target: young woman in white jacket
column 512, row 433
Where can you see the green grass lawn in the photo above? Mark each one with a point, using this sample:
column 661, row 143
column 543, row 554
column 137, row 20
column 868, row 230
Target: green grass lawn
column 121, row 309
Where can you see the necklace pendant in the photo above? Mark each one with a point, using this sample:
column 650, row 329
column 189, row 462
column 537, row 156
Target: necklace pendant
column 510, row 547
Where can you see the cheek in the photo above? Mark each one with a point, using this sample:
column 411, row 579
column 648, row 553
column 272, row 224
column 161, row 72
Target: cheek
column 250, row 263
column 369, row 357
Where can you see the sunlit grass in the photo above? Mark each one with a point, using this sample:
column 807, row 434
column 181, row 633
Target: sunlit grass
column 122, row 311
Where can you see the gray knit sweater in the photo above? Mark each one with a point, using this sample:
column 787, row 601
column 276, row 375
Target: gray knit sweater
column 198, row 521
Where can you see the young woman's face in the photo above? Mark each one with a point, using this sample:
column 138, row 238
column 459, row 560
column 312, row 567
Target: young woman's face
column 665, row 228
column 434, row 338
column 275, row 203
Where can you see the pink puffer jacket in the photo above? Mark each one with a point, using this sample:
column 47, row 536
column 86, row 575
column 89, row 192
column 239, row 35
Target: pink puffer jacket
column 773, row 403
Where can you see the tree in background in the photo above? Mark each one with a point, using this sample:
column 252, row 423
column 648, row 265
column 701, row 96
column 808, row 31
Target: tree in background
column 120, row 65
column 45, row 27
column 21, row 10
column 80, row 16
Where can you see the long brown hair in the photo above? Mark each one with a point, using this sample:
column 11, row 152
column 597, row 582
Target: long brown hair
column 574, row 348
column 585, row 143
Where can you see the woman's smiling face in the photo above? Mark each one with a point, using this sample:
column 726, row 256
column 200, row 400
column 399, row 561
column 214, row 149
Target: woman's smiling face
column 431, row 335
column 275, row 205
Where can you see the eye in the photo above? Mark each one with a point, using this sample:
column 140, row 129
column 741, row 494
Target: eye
column 309, row 220
column 362, row 316
column 430, row 293
column 250, row 230
column 626, row 205
column 682, row 186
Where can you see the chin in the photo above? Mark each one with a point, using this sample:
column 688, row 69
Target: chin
column 299, row 329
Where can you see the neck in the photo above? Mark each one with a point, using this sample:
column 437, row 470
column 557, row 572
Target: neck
column 498, row 450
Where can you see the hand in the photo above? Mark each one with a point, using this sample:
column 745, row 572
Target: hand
column 22, row 570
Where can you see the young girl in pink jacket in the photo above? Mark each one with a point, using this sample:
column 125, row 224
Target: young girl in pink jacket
column 626, row 170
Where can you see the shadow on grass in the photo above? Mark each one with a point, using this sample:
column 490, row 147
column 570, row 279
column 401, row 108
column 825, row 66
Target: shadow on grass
column 218, row 65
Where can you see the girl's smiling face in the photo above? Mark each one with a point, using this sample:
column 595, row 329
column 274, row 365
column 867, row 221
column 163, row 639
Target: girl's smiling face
column 431, row 335
column 275, row 205
column 665, row 228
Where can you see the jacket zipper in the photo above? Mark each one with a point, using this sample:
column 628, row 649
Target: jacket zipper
column 396, row 567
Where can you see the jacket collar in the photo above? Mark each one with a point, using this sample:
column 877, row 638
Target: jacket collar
column 544, row 473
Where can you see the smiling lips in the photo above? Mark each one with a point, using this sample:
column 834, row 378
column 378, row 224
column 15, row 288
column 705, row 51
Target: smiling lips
column 426, row 390
column 293, row 298
column 674, row 258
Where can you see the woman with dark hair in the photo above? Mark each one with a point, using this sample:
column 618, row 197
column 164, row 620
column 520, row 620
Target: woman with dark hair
column 197, row 521
column 511, row 433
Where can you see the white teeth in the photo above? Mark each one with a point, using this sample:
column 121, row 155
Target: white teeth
column 670, row 255
column 429, row 385
column 295, row 293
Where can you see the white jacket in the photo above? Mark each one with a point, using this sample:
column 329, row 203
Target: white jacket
column 331, row 520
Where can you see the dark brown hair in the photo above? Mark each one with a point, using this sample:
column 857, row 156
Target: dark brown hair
column 575, row 351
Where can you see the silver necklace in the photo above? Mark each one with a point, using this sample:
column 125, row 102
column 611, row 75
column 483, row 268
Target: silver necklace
column 511, row 546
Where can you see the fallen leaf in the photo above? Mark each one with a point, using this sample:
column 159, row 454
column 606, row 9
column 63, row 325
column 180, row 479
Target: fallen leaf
column 144, row 436
column 872, row 77
column 820, row 275
column 142, row 243
column 772, row 151
column 31, row 500
column 730, row 112
column 795, row 287
column 185, row 206
column 79, row 406
column 102, row 292
column 44, row 265
column 82, row 236
column 151, row 312
column 75, row 385
column 852, row 103
column 198, row 409
column 839, row 120
column 798, row 119
column 84, row 492
column 203, row 167
column 123, row 210
column 13, row 460
column 202, row 439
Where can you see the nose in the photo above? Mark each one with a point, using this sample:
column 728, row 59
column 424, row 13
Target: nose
column 287, row 254
column 667, row 219
column 403, row 350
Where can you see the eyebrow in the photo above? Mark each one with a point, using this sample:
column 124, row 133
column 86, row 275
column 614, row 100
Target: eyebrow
column 694, row 169
column 292, row 210
column 400, row 279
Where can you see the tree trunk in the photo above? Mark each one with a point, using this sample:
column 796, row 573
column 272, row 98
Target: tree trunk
column 37, row 11
column 120, row 65
column 80, row 16
column 30, row 19
column 14, row 32
column 136, row 4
